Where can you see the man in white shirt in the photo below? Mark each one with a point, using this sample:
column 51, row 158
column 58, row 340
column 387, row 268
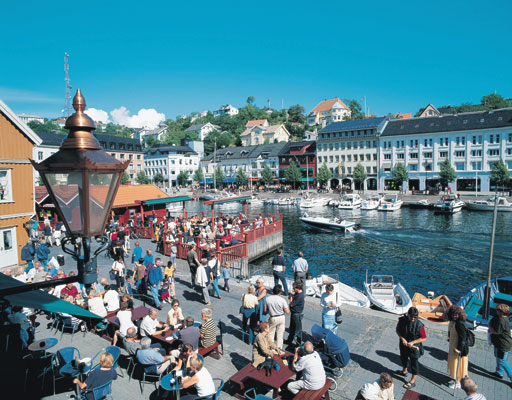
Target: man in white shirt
column 276, row 308
column 313, row 373
column 111, row 299
column 470, row 387
column 381, row 389
column 150, row 324
column 329, row 302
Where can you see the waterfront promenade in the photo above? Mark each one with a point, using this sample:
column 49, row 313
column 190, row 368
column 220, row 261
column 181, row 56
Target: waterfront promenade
column 370, row 335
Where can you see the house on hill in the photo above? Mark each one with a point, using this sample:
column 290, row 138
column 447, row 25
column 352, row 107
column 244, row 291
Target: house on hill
column 203, row 130
column 255, row 135
column 328, row 111
column 256, row 122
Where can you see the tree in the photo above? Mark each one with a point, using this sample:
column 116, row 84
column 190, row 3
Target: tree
column 151, row 141
column 494, row 101
column 446, row 173
column 296, row 114
column 141, row 178
column 324, row 174
column 125, row 178
column 292, row 174
column 182, row 178
column 500, row 174
column 158, row 178
column 219, row 175
column 198, row 175
column 251, row 100
column 399, row 174
column 47, row 127
column 241, row 177
column 360, row 175
column 266, row 175
column 355, row 109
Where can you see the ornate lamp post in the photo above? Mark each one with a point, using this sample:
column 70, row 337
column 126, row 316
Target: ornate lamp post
column 82, row 180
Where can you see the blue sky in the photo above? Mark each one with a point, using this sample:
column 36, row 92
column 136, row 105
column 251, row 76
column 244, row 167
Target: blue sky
column 179, row 57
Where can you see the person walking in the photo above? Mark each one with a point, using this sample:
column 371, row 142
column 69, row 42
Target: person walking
column 276, row 308
column 458, row 346
column 155, row 278
column 261, row 295
column 279, row 267
column 193, row 264
column 48, row 231
column 412, row 334
column 139, row 274
column 28, row 252
column 329, row 302
column 300, row 269
column 118, row 267
column 296, row 313
column 249, row 314
column 214, row 264
column 499, row 328
column 201, row 280
column 42, row 253
column 226, row 273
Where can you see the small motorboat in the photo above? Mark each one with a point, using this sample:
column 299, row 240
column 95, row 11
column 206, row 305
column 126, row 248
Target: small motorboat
column 333, row 203
column 387, row 295
column 448, row 204
column 346, row 294
column 488, row 205
column 371, row 203
column 390, row 203
column 287, row 201
column 473, row 302
column 312, row 288
column 350, row 202
column 430, row 308
column 312, row 202
column 255, row 201
column 337, row 223
column 419, row 204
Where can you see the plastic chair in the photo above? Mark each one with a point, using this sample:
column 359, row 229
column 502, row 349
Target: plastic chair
column 99, row 393
column 133, row 361
column 216, row 396
column 252, row 395
column 67, row 322
column 116, row 352
column 151, row 371
column 58, row 359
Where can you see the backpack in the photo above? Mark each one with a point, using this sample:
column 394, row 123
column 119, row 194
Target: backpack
column 470, row 337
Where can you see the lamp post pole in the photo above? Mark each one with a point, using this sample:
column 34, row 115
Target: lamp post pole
column 487, row 299
column 214, row 163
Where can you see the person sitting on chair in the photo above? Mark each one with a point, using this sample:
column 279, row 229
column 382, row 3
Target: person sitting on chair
column 151, row 356
column 98, row 377
column 382, row 388
column 199, row 377
column 313, row 373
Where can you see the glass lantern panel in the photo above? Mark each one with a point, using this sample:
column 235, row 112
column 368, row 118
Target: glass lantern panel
column 67, row 189
column 101, row 190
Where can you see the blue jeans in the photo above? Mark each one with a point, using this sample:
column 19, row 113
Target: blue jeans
column 154, row 293
column 279, row 276
column 329, row 322
column 216, row 290
column 29, row 266
column 129, row 288
column 249, row 318
column 44, row 263
column 226, row 284
column 502, row 364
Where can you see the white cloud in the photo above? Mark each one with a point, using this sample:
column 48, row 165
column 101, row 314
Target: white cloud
column 98, row 115
column 149, row 118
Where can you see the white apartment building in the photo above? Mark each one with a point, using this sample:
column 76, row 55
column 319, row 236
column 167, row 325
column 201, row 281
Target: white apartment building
column 26, row 118
column 228, row 109
column 473, row 142
column 343, row 145
column 170, row 160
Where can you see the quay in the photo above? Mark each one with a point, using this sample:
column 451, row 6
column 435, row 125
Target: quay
column 370, row 335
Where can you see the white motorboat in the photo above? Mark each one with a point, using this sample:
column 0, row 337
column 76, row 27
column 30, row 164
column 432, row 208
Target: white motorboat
column 312, row 288
column 346, row 294
column 419, row 204
column 448, row 204
column 312, row 203
column 338, row 223
column 488, row 205
column 350, row 202
column 387, row 295
column 390, row 203
column 287, row 201
column 333, row 203
column 371, row 203
column 255, row 201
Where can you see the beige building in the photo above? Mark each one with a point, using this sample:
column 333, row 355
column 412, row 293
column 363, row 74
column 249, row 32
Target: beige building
column 328, row 111
column 259, row 134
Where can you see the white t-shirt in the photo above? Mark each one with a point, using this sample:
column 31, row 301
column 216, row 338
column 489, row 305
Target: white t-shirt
column 205, row 385
column 325, row 300
column 148, row 326
column 313, row 371
column 125, row 321
column 111, row 300
column 373, row 391
column 97, row 307
column 119, row 267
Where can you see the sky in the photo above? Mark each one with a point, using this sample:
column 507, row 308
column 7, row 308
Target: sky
column 160, row 59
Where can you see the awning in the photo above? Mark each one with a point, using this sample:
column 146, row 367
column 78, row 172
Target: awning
column 227, row 200
column 310, row 179
column 40, row 300
column 166, row 200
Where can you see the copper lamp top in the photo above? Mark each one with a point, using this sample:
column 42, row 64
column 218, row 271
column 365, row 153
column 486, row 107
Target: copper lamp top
column 80, row 126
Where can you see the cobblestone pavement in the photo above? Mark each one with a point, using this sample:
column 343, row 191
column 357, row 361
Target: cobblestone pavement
column 370, row 335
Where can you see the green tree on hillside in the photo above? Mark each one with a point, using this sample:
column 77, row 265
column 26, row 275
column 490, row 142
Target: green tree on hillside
column 141, row 178
column 47, row 127
column 296, row 114
column 292, row 174
column 251, row 100
column 224, row 139
column 266, row 175
column 355, row 108
column 399, row 175
column 360, row 176
column 241, row 177
column 494, row 101
column 446, row 173
column 324, row 174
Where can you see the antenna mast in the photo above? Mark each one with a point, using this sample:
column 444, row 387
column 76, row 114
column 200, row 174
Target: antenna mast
column 67, row 107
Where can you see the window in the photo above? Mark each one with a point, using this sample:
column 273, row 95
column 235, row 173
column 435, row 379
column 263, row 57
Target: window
column 5, row 185
column 387, row 156
column 463, row 140
column 337, row 158
column 349, row 145
column 349, row 169
column 476, row 153
column 457, row 140
column 461, row 153
column 369, row 169
column 374, row 156
column 349, row 157
column 368, row 157
column 476, row 165
column 385, row 145
column 459, row 166
column 443, row 154
column 400, row 156
column 491, row 139
column 426, row 143
column 413, row 155
column 330, row 158
column 427, row 155
column 355, row 157
column 138, row 156
column 510, row 137
column 494, row 152
column 413, row 167
column 509, row 164
column 509, row 151
column 139, row 167
column 121, row 156
column 39, row 155
column 343, row 158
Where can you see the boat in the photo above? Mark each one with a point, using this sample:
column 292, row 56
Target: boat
column 268, row 281
column 387, row 295
column 333, row 203
column 346, row 294
column 430, row 308
column 255, row 201
column 390, row 203
column 419, row 204
column 350, row 202
column 312, row 202
column 473, row 301
column 337, row 224
column 286, row 201
column 371, row 203
column 448, row 204
column 488, row 205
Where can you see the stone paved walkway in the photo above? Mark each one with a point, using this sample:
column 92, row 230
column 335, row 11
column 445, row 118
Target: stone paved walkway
column 370, row 335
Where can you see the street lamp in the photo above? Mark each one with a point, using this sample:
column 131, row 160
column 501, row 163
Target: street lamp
column 82, row 180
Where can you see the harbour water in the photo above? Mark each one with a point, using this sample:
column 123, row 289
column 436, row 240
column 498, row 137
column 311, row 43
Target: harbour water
column 447, row 254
